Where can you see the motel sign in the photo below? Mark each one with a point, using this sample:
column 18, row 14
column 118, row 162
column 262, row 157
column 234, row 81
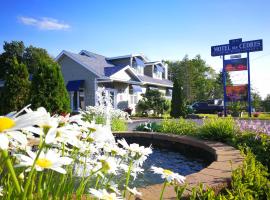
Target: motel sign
column 236, row 46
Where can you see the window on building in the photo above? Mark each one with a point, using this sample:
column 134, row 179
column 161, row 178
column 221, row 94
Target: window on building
column 138, row 65
column 158, row 71
column 81, row 98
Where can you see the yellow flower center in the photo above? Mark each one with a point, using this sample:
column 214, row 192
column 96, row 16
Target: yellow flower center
column 167, row 172
column 105, row 165
column 6, row 123
column 58, row 134
column 44, row 163
column 92, row 130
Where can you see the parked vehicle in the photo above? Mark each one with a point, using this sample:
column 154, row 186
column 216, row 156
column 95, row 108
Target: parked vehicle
column 206, row 108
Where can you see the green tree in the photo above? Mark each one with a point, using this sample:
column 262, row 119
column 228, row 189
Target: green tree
column 33, row 56
column 178, row 106
column 153, row 100
column 48, row 89
column 266, row 103
column 11, row 50
column 197, row 78
column 16, row 89
column 218, row 84
column 256, row 100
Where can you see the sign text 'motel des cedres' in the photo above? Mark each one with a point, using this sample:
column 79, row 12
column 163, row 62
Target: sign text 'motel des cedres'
column 237, row 46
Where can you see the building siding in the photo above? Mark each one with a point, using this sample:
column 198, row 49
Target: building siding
column 73, row 71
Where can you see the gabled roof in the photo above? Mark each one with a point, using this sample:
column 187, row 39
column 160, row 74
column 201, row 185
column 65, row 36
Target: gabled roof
column 153, row 81
column 128, row 56
column 114, row 70
column 153, row 63
column 95, row 63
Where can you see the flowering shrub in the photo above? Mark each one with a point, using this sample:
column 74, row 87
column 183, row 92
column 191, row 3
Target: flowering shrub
column 104, row 112
column 257, row 126
column 256, row 114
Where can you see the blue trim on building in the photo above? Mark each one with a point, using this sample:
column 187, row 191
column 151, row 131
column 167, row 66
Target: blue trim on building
column 74, row 85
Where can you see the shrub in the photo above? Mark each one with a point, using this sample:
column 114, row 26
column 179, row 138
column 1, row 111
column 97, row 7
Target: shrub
column 98, row 115
column 258, row 144
column 118, row 125
column 219, row 129
column 152, row 100
column 149, row 127
column 179, row 127
column 249, row 181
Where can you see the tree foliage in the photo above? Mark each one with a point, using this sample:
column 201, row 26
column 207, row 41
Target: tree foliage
column 16, row 89
column 48, row 89
column 17, row 62
column 266, row 103
column 178, row 106
column 218, row 84
column 199, row 81
column 153, row 100
column 12, row 50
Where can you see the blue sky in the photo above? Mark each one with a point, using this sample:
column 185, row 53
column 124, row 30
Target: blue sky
column 161, row 29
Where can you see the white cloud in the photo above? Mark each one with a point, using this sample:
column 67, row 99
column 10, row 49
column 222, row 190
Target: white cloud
column 44, row 23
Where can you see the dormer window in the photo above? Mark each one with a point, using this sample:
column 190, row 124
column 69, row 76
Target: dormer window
column 158, row 71
column 138, row 65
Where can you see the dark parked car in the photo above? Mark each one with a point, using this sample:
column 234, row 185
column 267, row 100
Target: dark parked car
column 204, row 107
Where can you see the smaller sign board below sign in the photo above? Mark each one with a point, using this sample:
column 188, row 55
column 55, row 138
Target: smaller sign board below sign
column 236, row 92
column 235, row 64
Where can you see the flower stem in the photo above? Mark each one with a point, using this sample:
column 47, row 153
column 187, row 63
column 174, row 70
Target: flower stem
column 128, row 176
column 11, row 170
column 39, row 185
column 163, row 189
column 31, row 173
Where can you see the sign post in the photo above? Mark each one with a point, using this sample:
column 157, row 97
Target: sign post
column 224, row 88
column 249, row 88
column 236, row 46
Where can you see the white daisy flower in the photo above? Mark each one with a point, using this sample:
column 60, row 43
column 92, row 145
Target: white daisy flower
column 11, row 124
column 134, row 191
column 104, row 195
column 114, row 149
column 50, row 160
column 109, row 164
column 136, row 151
column 65, row 134
column 168, row 175
column 103, row 134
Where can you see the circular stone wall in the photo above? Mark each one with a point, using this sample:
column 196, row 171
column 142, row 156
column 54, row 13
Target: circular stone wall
column 217, row 175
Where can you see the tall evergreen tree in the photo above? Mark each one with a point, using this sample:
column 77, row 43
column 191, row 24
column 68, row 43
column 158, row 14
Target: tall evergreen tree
column 16, row 89
column 48, row 89
column 11, row 49
column 178, row 106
